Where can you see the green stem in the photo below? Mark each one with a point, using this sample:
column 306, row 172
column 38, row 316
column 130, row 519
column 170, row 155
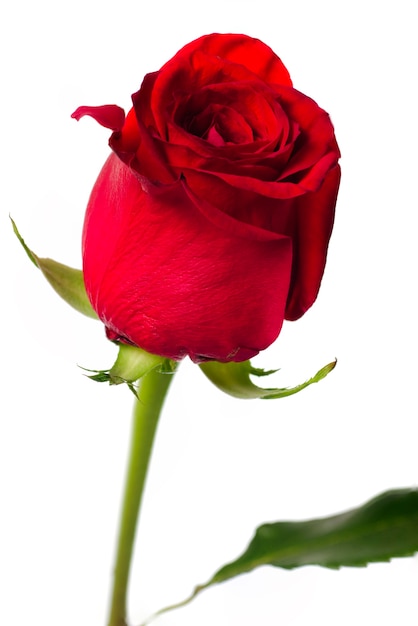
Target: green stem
column 152, row 392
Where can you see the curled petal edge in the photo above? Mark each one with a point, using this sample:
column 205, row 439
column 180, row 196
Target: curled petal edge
column 108, row 115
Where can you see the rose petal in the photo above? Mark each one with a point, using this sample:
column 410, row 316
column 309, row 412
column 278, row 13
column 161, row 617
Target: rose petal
column 313, row 222
column 317, row 138
column 202, row 291
column 255, row 55
column 252, row 101
column 136, row 147
column 215, row 62
column 108, row 115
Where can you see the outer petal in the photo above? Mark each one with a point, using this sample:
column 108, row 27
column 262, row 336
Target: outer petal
column 164, row 277
column 243, row 50
column 135, row 147
column 108, row 115
column 318, row 151
column 313, row 222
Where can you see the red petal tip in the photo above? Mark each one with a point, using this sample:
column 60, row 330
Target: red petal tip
column 109, row 115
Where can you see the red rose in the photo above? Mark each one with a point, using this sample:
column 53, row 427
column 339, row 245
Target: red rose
column 209, row 223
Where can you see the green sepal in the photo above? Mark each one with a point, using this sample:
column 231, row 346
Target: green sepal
column 234, row 379
column 66, row 281
column 132, row 363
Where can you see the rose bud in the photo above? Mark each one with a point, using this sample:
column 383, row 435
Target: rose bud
column 210, row 221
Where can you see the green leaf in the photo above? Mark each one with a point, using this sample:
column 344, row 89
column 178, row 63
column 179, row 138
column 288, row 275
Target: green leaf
column 383, row 528
column 234, row 379
column 66, row 281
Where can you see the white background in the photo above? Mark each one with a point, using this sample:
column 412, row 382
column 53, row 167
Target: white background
column 221, row 466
